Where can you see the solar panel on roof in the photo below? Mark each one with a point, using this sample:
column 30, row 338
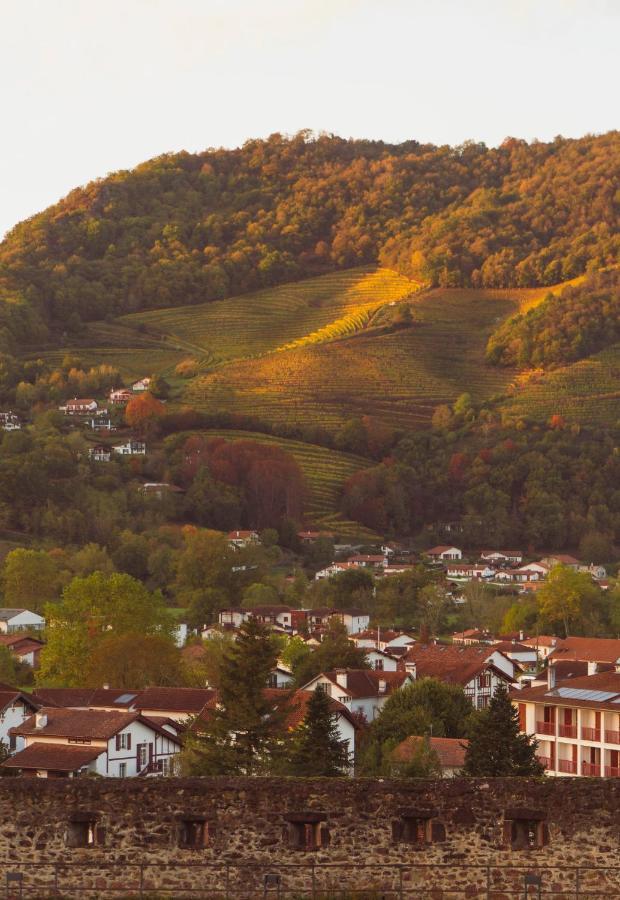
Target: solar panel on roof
column 570, row 693
column 125, row 698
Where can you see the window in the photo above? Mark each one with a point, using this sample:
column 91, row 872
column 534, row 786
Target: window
column 164, row 765
column 141, row 755
column 123, row 741
column 307, row 831
column 525, row 830
column 482, row 702
column 484, row 681
column 78, row 740
column 379, row 665
column 83, row 830
column 193, row 833
column 122, row 770
column 418, row 827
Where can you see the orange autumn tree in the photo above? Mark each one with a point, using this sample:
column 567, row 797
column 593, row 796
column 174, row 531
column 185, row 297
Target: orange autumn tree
column 143, row 413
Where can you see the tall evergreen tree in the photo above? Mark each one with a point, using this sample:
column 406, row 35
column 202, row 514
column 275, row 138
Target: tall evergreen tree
column 316, row 748
column 497, row 748
column 244, row 734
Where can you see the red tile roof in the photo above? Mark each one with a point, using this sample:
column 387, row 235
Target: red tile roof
column 365, row 682
column 55, row 757
column 451, row 751
column 609, row 682
column 450, row 663
column 96, row 724
column 593, row 649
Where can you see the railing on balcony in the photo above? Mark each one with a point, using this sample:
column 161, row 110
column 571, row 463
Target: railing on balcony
column 569, row 731
column 612, row 772
column 591, row 734
column 588, row 768
column 546, row 761
column 567, row 765
column 545, row 728
column 612, row 737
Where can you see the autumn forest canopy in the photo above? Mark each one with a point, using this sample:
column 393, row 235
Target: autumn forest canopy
column 188, row 228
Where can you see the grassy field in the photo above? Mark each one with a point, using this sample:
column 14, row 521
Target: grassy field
column 324, row 470
column 399, row 377
column 316, row 310
column 586, row 392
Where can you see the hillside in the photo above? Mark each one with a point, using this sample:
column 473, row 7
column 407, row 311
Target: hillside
column 191, row 228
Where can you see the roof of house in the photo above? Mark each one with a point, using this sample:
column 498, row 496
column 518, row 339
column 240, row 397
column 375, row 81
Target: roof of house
column 298, row 707
column 80, row 401
column 441, row 548
column 574, row 668
column 20, row 643
column 565, row 558
column 9, row 694
column 178, row 699
column 593, row 649
column 237, row 535
column 175, row 699
column 96, row 724
column 57, row 757
column 450, row 663
column 87, row 697
column 267, row 610
column 8, row 613
column 365, row 682
column 503, row 552
column 451, row 751
column 601, row 691
column 512, row 647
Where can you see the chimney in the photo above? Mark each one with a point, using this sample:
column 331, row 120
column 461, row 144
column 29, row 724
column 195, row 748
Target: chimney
column 592, row 667
column 551, row 676
column 382, row 685
column 521, row 635
column 341, row 677
column 106, row 687
column 40, row 719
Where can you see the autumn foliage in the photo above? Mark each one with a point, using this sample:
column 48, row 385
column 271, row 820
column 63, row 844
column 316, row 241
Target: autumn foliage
column 143, row 412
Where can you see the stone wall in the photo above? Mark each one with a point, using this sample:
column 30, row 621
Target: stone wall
column 456, row 838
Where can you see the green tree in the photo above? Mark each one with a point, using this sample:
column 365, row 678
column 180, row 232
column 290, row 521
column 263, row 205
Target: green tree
column 91, row 610
column 497, row 748
column 258, row 594
column 30, row 579
column 316, row 748
column 8, row 669
column 244, row 733
column 564, row 597
column 134, row 661
column 424, row 762
column 335, row 651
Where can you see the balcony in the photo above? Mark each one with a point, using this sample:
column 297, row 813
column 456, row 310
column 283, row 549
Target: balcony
column 568, row 731
column 590, row 768
column 568, row 766
column 612, row 772
column 590, row 734
column 545, row 728
column 612, row 737
column 546, row 761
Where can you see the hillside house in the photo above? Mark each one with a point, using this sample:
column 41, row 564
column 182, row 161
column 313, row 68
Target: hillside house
column 362, row 691
column 12, row 620
column 576, row 724
column 479, row 670
column 130, row 448
column 311, row 537
column 354, row 620
column 79, row 407
column 100, row 453
column 23, row 648
column 598, row 573
column 241, row 539
column 472, row 636
column 15, row 708
column 525, row 657
column 544, row 644
column 65, row 743
column 368, row 561
column 10, row 422
column 502, row 557
column 100, row 423
column 160, row 489
column 443, row 553
column 120, row 396
column 561, row 559
column 143, row 384
column 281, row 677
column 333, row 569
column 469, row 572
column 450, row 752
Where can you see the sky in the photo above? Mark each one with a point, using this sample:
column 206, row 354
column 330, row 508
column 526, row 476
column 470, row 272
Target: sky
column 91, row 86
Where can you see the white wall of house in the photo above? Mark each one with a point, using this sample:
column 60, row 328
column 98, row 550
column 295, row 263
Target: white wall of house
column 146, row 745
column 10, row 717
column 381, row 661
column 21, row 621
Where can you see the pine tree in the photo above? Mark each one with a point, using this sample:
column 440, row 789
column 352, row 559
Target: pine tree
column 497, row 748
column 244, row 734
column 316, row 747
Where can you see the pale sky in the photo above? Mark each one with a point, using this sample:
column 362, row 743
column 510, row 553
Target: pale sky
column 91, row 86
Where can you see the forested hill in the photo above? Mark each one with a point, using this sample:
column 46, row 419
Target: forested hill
column 187, row 228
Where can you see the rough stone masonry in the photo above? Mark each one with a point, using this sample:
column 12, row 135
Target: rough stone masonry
column 252, row 837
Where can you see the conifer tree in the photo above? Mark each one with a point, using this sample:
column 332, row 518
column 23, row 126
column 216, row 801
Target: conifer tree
column 244, row 733
column 497, row 748
column 316, row 748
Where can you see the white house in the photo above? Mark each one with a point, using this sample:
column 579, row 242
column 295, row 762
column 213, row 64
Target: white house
column 15, row 708
column 130, row 448
column 502, row 557
column 69, row 742
column 100, row 453
column 143, row 384
column 281, row 677
column 362, row 691
column 444, row 553
column 12, row 620
column 10, row 422
column 354, row 620
column 241, row 539
column 381, row 661
column 100, row 423
column 468, row 572
column 79, row 407
column 120, row 396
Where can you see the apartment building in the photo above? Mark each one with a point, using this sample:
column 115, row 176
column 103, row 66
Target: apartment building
column 576, row 722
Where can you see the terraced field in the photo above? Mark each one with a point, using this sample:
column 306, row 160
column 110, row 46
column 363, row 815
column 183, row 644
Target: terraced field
column 587, row 391
column 399, row 377
column 316, row 310
column 325, row 472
